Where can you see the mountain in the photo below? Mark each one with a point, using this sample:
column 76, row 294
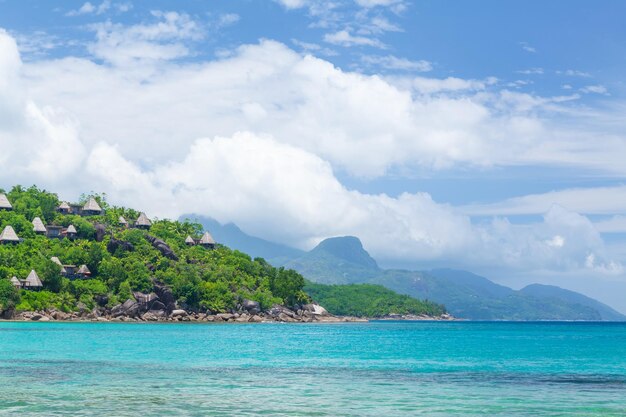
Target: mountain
column 550, row 292
column 232, row 236
column 338, row 260
column 343, row 260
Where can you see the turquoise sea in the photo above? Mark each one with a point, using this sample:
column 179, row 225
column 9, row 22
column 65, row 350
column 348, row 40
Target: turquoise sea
column 358, row 369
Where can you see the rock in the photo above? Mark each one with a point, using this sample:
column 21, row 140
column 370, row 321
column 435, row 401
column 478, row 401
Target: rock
column 256, row 319
column 130, row 308
column 162, row 247
column 102, row 319
column 157, row 305
column 149, row 316
column 35, row 317
column 179, row 313
column 44, row 318
column 252, row 307
column 244, row 318
column 225, row 316
column 101, row 230
column 284, row 317
column 166, row 297
column 315, row 309
column 115, row 244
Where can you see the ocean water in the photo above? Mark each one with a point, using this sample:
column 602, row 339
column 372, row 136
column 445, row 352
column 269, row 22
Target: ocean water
column 360, row 369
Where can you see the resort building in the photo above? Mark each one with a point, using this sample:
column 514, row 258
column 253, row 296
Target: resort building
column 189, row 241
column 122, row 222
column 32, row 282
column 91, row 208
column 38, row 226
column 16, row 282
column 64, row 208
column 8, row 235
column 71, row 232
column 83, row 271
column 207, row 241
column 54, row 232
column 143, row 222
column 5, row 204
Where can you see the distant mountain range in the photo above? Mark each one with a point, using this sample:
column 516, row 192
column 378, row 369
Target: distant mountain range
column 343, row 260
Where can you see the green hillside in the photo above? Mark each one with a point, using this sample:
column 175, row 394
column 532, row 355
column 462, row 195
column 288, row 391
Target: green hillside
column 368, row 300
column 200, row 278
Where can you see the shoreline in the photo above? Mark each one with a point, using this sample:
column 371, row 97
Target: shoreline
column 181, row 316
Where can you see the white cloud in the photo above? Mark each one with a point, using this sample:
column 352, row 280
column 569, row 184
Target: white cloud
column 531, row 71
column 228, row 19
column 526, row 47
column 574, row 73
column 379, row 3
column 279, row 184
column 395, row 63
column 346, row 39
column 161, row 40
column 106, row 5
column 595, row 89
column 437, row 85
column 292, row 4
column 599, row 200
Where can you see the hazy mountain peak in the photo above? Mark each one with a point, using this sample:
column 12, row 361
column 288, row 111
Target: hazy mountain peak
column 348, row 248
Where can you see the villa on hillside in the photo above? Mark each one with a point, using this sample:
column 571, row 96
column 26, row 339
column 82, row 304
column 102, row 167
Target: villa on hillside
column 71, row 271
column 5, row 204
column 143, row 222
column 90, row 208
column 39, row 227
column 8, row 236
column 32, row 282
column 205, row 241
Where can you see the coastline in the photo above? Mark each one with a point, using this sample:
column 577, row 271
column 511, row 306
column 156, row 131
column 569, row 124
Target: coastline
column 182, row 316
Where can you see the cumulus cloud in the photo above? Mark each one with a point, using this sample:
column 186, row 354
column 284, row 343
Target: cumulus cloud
column 106, row 5
column 37, row 143
column 256, row 138
column 346, row 39
column 395, row 63
column 158, row 41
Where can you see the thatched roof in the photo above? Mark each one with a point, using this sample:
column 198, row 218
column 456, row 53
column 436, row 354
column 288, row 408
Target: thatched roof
column 38, row 225
column 190, row 241
column 71, row 229
column 143, row 220
column 122, row 220
column 64, row 206
column 207, row 239
column 16, row 282
column 83, row 270
column 56, row 260
column 92, row 205
column 33, row 280
column 9, row 235
column 4, row 202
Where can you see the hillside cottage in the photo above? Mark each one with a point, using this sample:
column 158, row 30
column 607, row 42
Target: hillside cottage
column 91, row 208
column 5, row 204
column 32, row 282
column 54, row 232
column 64, row 208
column 38, row 226
column 143, row 222
column 189, row 241
column 207, row 241
column 83, row 272
column 71, row 232
column 122, row 222
column 8, row 236
column 16, row 282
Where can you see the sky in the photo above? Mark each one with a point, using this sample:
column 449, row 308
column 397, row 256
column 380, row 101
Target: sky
column 488, row 136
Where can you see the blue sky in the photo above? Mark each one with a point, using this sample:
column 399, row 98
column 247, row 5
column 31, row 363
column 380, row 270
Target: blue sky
column 481, row 135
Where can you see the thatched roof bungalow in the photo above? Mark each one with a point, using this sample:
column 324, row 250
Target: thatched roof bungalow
column 71, row 232
column 38, row 226
column 189, row 241
column 64, row 208
column 54, row 231
column 8, row 235
column 207, row 241
column 84, row 271
column 143, row 222
column 32, row 282
column 16, row 282
column 91, row 208
column 122, row 221
column 5, row 204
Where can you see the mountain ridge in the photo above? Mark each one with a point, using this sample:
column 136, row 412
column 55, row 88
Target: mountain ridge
column 343, row 260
